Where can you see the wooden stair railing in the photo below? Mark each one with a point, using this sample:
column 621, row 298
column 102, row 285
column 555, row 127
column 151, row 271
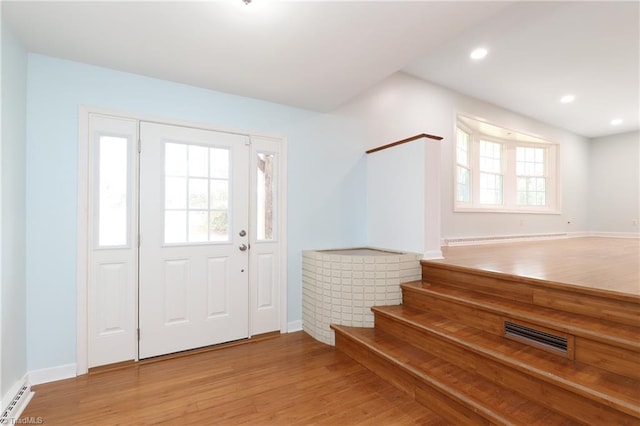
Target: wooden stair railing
column 400, row 142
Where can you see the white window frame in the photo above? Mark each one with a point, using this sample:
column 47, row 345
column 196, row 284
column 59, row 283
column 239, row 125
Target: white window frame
column 509, row 184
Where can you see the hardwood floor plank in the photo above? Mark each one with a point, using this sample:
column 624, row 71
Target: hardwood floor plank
column 608, row 264
column 288, row 380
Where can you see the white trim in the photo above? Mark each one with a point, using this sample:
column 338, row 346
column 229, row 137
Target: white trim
column 284, row 283
column 294, row 326
column 577, row 234
column 432, row 255
column 82, row 252
column 615, row 234
column 15, row 400
column 82, row 212
column 52, row 374
column 493, row 239
column 432, row 200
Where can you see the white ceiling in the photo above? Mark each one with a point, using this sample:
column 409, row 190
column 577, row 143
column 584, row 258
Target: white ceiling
column 320, row 54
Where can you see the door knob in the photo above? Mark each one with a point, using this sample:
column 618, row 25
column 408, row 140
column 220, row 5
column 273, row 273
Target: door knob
column 243, row 247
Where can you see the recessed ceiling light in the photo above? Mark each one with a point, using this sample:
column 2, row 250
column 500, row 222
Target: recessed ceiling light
column 478, row 53
column 567, row 99
column 616, row 121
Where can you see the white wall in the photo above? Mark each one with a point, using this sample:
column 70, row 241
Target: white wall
column 12, row 224
column 402, row 106
column 614, row 184
column 326, row 175
column 395, row 197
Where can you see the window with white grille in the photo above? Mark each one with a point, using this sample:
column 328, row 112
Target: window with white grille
column 503, row 171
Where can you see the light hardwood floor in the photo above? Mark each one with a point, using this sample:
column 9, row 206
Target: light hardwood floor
column 287, row 380
column 610, row 264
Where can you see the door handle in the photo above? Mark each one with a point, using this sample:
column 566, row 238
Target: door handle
column 243, row 247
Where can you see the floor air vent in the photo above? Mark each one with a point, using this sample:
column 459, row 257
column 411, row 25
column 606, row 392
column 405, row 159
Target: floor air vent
column 537, row 338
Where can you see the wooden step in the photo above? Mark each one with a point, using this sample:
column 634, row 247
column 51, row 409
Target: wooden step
column 585, row 393
column 597, row 342
column 607, row 305
column 461, row 396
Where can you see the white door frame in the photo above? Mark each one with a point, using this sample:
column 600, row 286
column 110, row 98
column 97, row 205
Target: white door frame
column 82, row 260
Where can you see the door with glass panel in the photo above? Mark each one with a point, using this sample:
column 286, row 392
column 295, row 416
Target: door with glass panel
column 194, row 238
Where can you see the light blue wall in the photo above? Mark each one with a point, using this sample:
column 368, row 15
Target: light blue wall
column 12, row 167
column 325, row 181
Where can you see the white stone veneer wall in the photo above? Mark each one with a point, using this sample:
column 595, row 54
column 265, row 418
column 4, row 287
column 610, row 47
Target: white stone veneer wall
column 341, row 289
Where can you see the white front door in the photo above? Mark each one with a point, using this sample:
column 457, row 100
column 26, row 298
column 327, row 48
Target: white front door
column 194, row 237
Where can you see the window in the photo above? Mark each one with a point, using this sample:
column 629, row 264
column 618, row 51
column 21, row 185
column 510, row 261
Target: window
column 196, row 190
column 531, row 178
column 503, row 171
column 265, row 196
column 490, row 172
column 113, row 191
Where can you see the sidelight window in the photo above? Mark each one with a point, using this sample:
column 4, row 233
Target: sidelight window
column 113, row 191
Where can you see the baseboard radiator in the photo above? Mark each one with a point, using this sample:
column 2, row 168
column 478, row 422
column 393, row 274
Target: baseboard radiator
column 16, row 405
column 467, row 241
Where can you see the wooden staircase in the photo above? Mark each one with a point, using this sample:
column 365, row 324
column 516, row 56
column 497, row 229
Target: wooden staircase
column 569, row 356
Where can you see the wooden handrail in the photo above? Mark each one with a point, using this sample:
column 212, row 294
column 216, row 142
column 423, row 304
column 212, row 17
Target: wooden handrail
column 412, row 138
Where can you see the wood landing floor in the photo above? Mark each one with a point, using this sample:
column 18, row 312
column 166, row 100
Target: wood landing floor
column 287, row 380
column 609, row 264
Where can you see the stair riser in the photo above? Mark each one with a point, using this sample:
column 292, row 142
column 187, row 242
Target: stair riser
column 607, row 357
column 563, row 401
column 395, row 376
column 456, row 413
column 615, row 359
column 423, row 393
column 526, row 291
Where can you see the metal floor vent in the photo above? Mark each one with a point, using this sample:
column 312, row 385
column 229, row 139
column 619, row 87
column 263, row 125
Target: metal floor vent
column 535, row 337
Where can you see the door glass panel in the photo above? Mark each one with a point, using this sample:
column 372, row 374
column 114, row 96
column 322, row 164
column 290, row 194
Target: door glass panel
column 219, row 225
column 175, row 193
column 175, row 159
column 219, row 194
column 265, row 197
column 197, row 194
column 197, row 226
column 198, row 164
column 113, row 191
column 198, row 198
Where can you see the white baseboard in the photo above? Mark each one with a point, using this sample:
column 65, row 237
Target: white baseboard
column 15, row 401
column 578, row 234
column 493, row 239
column 294, row 326
column 52, row 374
column 615, row 234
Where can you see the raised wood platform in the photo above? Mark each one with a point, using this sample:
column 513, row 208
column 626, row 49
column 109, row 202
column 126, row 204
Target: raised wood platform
column 446, row 346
